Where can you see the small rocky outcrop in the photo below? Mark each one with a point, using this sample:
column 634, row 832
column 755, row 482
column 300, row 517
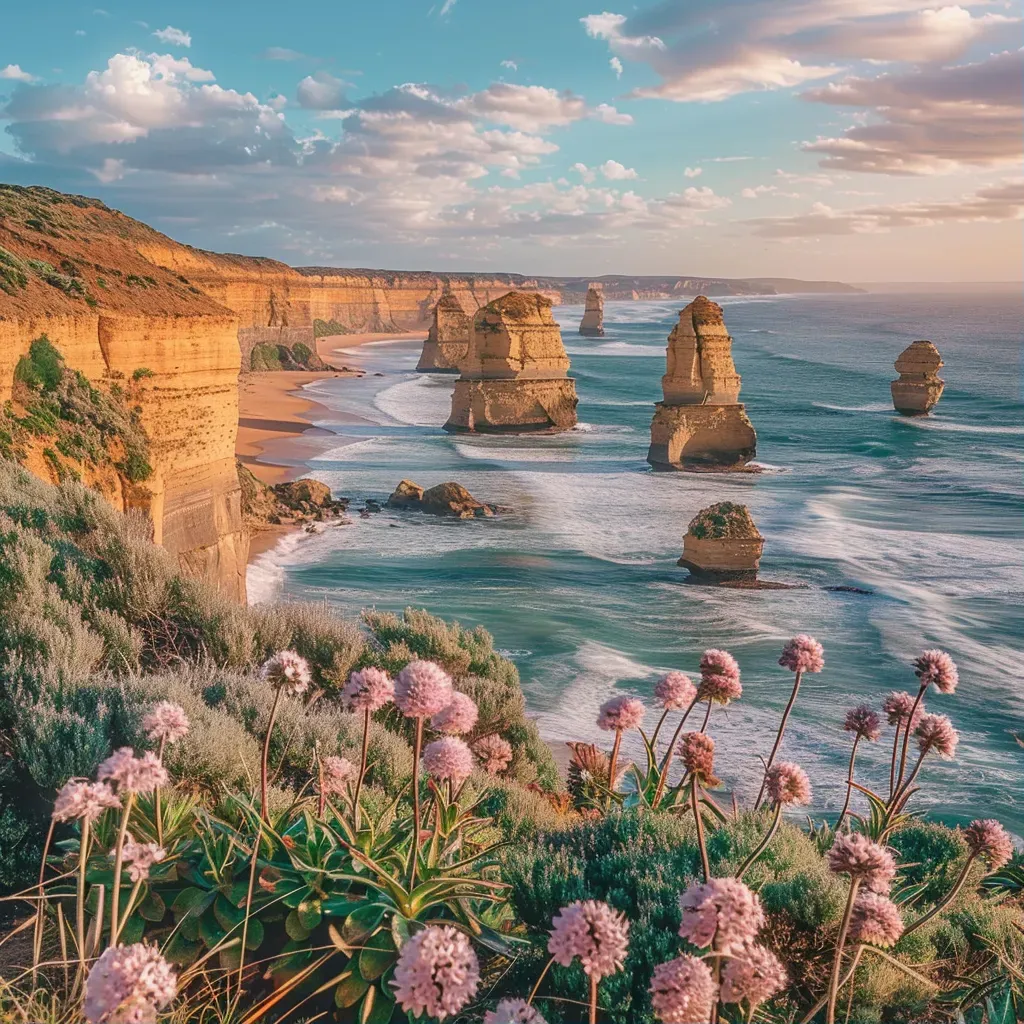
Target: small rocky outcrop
column 514, row 377
column 700, row 423
column 447, row 499
column 592, row 324
column 448, row 338
column 722, row 544
column 292, row 503
column 919, row 386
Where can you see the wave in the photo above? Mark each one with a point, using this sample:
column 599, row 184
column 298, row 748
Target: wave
column 617, row 348
column 266, row 574
column 923, row 423
column 419, row 402
column 870, row 407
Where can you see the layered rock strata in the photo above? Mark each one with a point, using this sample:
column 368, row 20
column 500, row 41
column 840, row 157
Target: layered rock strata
column 514, row 376
column 700, row 422
column 919, row 386
column 722, row 544
column 592, row 324
column 447, row 341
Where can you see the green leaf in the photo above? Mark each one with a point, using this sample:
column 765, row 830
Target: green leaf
column 495, row 940
column 377, row 1007
column 192, row 900
column 362, row 922
column 400, row 931
column 340, row 906
column 377, row 956
column 153, row 907
column 227, row 915
column 253, row 934
column 210, row 931
column 294, row 927
column 309, row 913
column 180, row 951
column 350, row 990
column 293, row 897
column 132, row 931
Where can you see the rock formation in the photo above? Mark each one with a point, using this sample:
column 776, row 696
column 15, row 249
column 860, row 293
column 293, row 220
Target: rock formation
column 447, row 499
column 700, row 422
column 919, row 386
column 592, row 324
column 514, row 376
column 722, row 544
column 448, row 338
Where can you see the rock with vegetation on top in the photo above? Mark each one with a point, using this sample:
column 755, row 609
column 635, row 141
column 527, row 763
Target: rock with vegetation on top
column 514, row 377
column 722, row 543
column 919, row 386
column 447, row 499
column 700, row 423
column 592, row 324
column 448, row 338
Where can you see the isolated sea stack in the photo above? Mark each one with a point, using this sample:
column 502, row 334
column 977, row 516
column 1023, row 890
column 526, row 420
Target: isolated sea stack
column 919, row 387
column 514, row 375
column 592, row 324
column 448, row 338
column 722, row 543
column 700, row 423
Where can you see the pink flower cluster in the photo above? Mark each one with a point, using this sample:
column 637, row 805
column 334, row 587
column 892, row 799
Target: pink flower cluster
column 722, row 913
column 337, row 772
column 457, row 717
column 369, row 689
column 753, row 976
column 803, row 654
column 719, row 677
column 683, row 991
column 898, row 706
column 857, row 856
column 448, row 758
column 422, row 689
column 595, row 933
column 133, row 774
column 166, row 723
column 788, row 784
column 86, row 800
column 437, row 972
column 938, row 669
column 288, row 672
column 936, row 732
column 863, row 720
column 621, row 714
column 140, row 857
column 987, row 838
column 494, row 753
column 513, row 1011
column 674, row 691
column 698, row 755
column 876, row 920
column 128, row 985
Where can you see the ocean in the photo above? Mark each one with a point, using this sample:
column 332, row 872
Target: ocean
column 578, row 581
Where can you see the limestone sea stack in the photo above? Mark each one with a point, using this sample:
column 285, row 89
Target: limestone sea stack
column 722, row 543
column 700, row 423
column 448, row 338
column 514, row 375
column 592, row 324
column 919, row 386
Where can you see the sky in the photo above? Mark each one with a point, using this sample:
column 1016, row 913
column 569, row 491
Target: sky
column 858, row 140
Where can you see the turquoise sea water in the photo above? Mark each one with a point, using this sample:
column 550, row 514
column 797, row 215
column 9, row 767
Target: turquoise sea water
column 578, row 582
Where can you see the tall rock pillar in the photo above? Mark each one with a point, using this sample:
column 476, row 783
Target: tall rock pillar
column 447, row 341
column 592, row 324
column 919, row 387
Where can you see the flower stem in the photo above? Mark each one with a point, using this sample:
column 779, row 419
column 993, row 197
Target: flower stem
column 666, row 764
column 536, row 987
column 849, row 782
column 657, row 729
column 611, row 763
column 362, row 767
column 895, row 752
column 414, row 847
column 37, row 938
column 83, row 856
column 813, row 1011
column 906, row 734
column 902, row 793
column 321, row 801
column 763, row 845
column 156, row 798
column 946, row 900
column 593, row 1001
column 778, row 737
column 264, row 812
column 844, row 928
column 115, row 899
column 707, row 718
column 695, row 804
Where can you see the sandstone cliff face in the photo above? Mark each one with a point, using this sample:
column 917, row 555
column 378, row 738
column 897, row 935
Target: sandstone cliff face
column 700, row 421
column 592, row 324
column 447, row 341
column 514, row 375
column 919, row 386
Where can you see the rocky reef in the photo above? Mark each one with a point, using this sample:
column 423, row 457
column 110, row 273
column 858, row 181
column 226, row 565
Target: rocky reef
column 293, row 503
column 919, row 387
column 700, row 423
column 514, row 376
column 592, row 324
column 722, row 544
column 447, row 499
column 447, row 341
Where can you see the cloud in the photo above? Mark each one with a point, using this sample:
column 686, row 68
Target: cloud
column 173, row 36
column 616, row 65
column 1001, row 202
column 758, row 190
column 728, row 159
column 447, row 7
column 322, row 91
column 14, row 73
column 693, row 172
column 929, row 121
column 614, row 171
column 282, row 53
column 535, row 108
column 510, row 64
column 585, row 173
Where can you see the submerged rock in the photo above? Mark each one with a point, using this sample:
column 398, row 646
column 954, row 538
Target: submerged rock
column 447, row 499
column 722, row 544
column 700, row 422
column 448, row 338
column 919, row 386
column 592, row 324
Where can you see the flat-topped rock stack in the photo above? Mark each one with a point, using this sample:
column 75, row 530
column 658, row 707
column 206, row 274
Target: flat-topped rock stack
column 722, row 544
column 592, row 324
column 700, row 422
column 514, row 376
column 919, row 386
column 448, row 338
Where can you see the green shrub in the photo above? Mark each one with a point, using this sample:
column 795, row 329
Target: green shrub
column 301, row 353
column 141, row 373
column 265, row 356
column 325, row 328
column 13, row 273
column 43, row 367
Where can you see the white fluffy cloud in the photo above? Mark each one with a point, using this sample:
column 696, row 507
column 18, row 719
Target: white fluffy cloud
column 322, row 91
column 693, row 172
column 14, row 73
column 510, row 64
column 173, row 36
column 534, row 108
column 612, row 170
column 616, row 65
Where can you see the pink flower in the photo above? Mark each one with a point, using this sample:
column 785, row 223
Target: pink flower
column 875, row 919
column 140, row 857
column 592, row 931
column 898, row 706
column 80, row 799
column 513, row 1011
column 788, row 784
column 621, row 714
column 288, row 672
column 722, row 913
column 338, row 772
column 857, row 856
column 494, row 753
column 683, row 991
column 437, row 972
column 422, row 689
column 864, row 721
column 936, row 732
column 803, row 654
column 698, row 756
column 938, row 668
column 368, row 690
column 719, row 677
column 674, row 692
column 987, row 838
column 457, row 717
column 166, row 723
column 133, row 774
column 448, row 758
column 754, row 975
column 128, row 985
